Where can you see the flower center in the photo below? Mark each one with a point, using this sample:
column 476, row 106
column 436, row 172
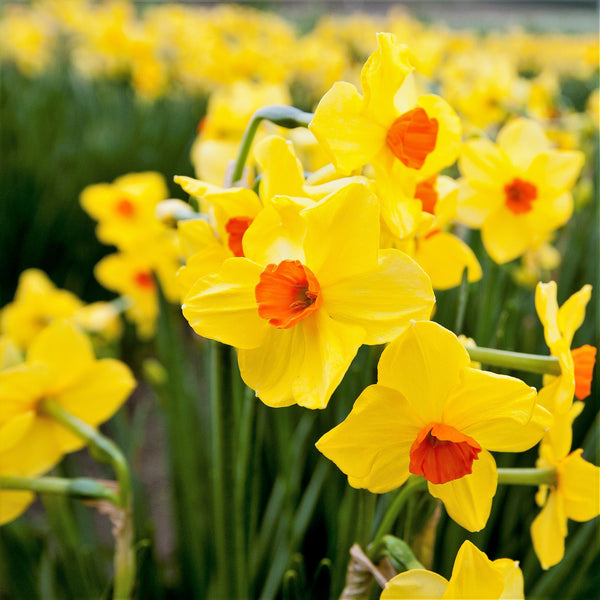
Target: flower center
column 441, row 453
column 144, row 280
column 125, row 208
column 286, row 293
column 584, row 359
column 519, row 195
column 427, row 194
column 236, row 228
column 412, row 137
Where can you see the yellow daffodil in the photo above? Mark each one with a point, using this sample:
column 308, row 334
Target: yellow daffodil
column 125, row 208
column 516, row 191
column 37, row 303
column 474, row 575
column 61, row 367
column 311, row 288
column 431, row 414
column 403, row 135
column 441, row 254
column 560, row 325
column 575, row 495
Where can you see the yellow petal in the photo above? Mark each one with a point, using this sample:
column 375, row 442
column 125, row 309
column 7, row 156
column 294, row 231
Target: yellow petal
column 102, row 390
column 572, row 313
column 303, row 364
column 474, row 205
column 493, row 409
column 12, row 504
column 444, row 257
column 350, row 138
column 282, row 172
column 416, row 584
column 468, row 500
column 222, row 306
column 372, row 445
column 522, row 140
column 579, row 485
column 14, row 429
column 505, row 235
column 342, row 236
column 66, row 351
column 383, row 300
column 423, row 364
column 474, row 576
column 195, row 187
column 548, row 531
column 513, row 579
column 546, row 307
column 21, row 388
column 382, row 76
column 556, row 170
column 204, row 262
column 482, row 161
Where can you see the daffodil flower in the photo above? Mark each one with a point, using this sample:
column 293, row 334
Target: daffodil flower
column 402, row 134
column 60, row 366
column 518, row 190
column 431, row 414
column 575, row 494
column 311, row 288
column 560, row 325
column 474, row 575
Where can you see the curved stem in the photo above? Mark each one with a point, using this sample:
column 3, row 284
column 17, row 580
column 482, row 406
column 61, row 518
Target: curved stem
column 411, row 486
column 284, row 116
column 83, row 488
column 532, row 363
column 545, row 476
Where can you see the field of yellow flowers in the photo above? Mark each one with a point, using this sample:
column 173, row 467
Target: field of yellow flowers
column 296, row 310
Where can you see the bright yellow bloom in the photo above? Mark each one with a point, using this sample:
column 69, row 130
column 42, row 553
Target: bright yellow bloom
column 311, row 288
column 125, row 208
column 560, row 325
column 516, row 191
column 37, row 303
column 431, row 414
column 474, row 575
column 402, row 134
column 576, row 494
column 441, row 254
column 60, row 366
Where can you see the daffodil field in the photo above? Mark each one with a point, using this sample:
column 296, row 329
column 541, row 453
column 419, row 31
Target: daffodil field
column 296, row 307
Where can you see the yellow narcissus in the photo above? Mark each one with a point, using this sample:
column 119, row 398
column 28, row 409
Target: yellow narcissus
column 474, row 575
column 311, row 288
column 402, row 134
column 431, row 414
column 61, row 367
column 577, row 365
column 575, row 495
column 516, row 191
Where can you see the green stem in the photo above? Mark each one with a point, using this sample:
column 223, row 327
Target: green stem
column 83, row 488
column 545, row 476
column 532, row 363
column 284, row 116
column 106, row 450
column 412, row 485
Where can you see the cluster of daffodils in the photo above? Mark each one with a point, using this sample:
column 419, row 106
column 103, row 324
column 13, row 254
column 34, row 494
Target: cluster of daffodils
column 298, row 271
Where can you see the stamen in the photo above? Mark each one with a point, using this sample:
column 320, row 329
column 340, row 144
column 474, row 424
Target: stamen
column 287, row 293
column 236, row 228
column 412, row 137
column 441, row 453
column 519, row 196
column 584, row 359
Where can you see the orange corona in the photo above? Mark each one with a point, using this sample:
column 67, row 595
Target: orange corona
column 236, row 228
column 519, row 196
column 584, row 359
column 412, row 137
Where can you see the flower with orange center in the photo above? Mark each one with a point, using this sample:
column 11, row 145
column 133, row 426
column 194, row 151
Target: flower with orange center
column 404, row 135
column 433, row 415
column 516, row 191
column 312, row 287
column 560, row 325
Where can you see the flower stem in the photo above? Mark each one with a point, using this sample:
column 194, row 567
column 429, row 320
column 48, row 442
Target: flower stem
column 284, row 116
column 532, row 363
column 545, row 476
column 83, row 488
